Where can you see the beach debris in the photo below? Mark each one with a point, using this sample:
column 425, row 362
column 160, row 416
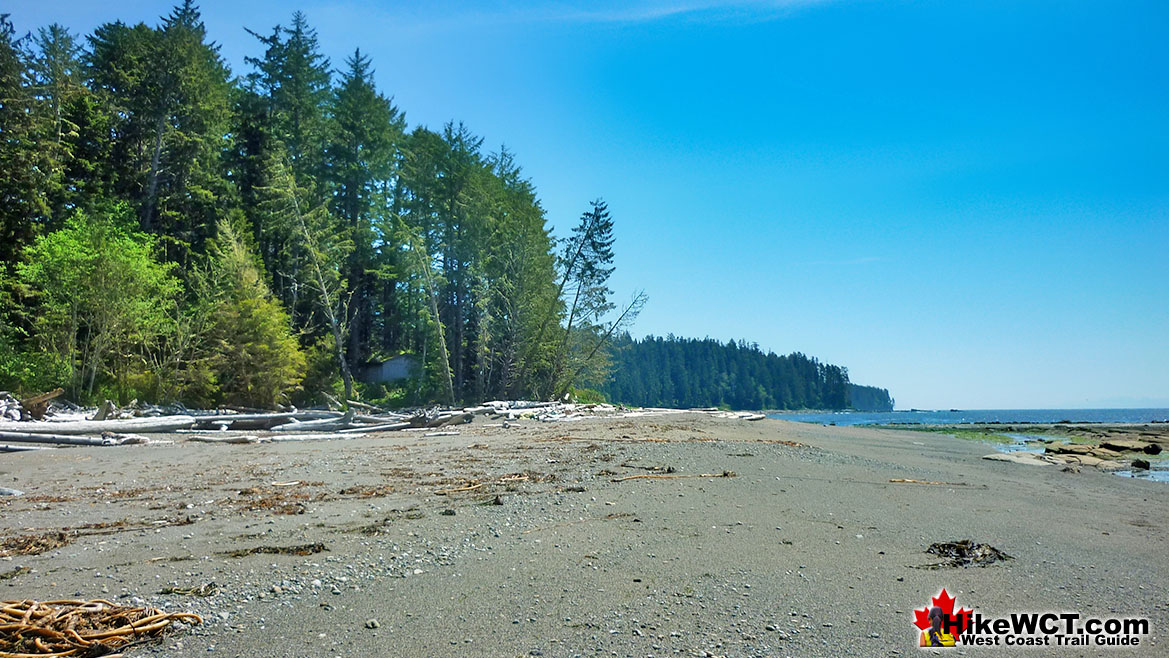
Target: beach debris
column 935, row 482
column 33, row 544
column 372, row 624
column 96, row 427
column 9, row 406
column 257, row 421
column 324, row 424
column 385, row 427
column 8, row 447
column 52, row 439
column 472, row 487
column 372, row 491
column 5, row 491
column 301, row 550
column 36, row 543
column 18, row 571
column 35, row 407
column 206, row 589
column 964, row 553
column 654, row 476
column 79, row 628
column 104, row 411
column 236, row 439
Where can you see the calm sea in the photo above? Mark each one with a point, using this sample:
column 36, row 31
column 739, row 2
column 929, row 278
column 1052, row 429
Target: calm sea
column 953, row 417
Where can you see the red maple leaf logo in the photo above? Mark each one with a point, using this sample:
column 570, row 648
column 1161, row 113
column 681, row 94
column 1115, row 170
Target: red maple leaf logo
column 952, row 623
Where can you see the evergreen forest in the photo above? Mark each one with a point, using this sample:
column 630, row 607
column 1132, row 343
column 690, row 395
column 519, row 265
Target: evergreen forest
column 688, row 373
column 173, row 230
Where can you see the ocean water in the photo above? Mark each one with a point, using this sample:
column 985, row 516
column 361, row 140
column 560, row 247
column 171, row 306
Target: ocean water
column 1158, row 473
column 955, row 416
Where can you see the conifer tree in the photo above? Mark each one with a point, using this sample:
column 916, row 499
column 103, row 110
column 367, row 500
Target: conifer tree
column 254, row 356
column 169, row 87
column 294, row 77
column 365, row 129
column 22, row 163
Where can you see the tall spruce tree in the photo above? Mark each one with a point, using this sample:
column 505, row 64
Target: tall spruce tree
column 56, row 78
column 294, row 77
column 22, row 163
column 365, row 129
column 169, row 89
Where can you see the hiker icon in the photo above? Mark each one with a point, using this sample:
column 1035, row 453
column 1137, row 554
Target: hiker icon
column 935, row 636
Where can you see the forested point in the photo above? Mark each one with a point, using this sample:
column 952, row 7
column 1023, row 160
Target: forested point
column 686, row 373
column 173, row 230
column 869, row 398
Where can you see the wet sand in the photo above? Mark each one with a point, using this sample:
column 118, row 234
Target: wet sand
column 808, row 550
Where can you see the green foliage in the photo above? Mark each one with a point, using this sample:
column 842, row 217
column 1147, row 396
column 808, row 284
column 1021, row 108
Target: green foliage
column 680, row 372
column 102, row 301
column 168, row 89
column 23, row 163
column 588, row 396
column 21, row 369
column 255, row 357
column 322, row 373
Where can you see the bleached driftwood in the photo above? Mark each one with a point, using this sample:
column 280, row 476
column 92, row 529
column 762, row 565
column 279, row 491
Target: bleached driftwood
column 52, row 439
column 35, row 407
column 229, row 439
column 260, row 421
column 449, row 418
column 309, row 436
column 326, row 424
column 7, row 447
column 388, row 427
column 148, row 425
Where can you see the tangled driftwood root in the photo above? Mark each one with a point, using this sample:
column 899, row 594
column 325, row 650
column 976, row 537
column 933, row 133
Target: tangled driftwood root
column 31, row 629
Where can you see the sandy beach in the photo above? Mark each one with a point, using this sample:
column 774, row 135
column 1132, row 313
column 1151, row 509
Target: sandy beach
column 534, row 540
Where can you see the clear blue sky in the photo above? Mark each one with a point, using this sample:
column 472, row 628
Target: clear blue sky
column 966, row 202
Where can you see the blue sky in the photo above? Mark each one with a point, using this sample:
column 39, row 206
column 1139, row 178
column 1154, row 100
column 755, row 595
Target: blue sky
column 964, row 202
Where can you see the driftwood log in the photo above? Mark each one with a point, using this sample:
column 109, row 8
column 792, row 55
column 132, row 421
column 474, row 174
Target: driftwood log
column 8, row 447
column 160, row 424
column 326, row 424
column 34, row 408
column 388, row 427
column 53, row 439
column 259, row 421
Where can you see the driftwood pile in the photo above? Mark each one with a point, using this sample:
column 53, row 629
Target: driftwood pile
column 110, row 425
column 30, row 408
column 79, row 628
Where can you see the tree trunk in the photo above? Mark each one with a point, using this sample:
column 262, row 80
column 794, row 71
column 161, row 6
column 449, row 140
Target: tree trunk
column 152, row 178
